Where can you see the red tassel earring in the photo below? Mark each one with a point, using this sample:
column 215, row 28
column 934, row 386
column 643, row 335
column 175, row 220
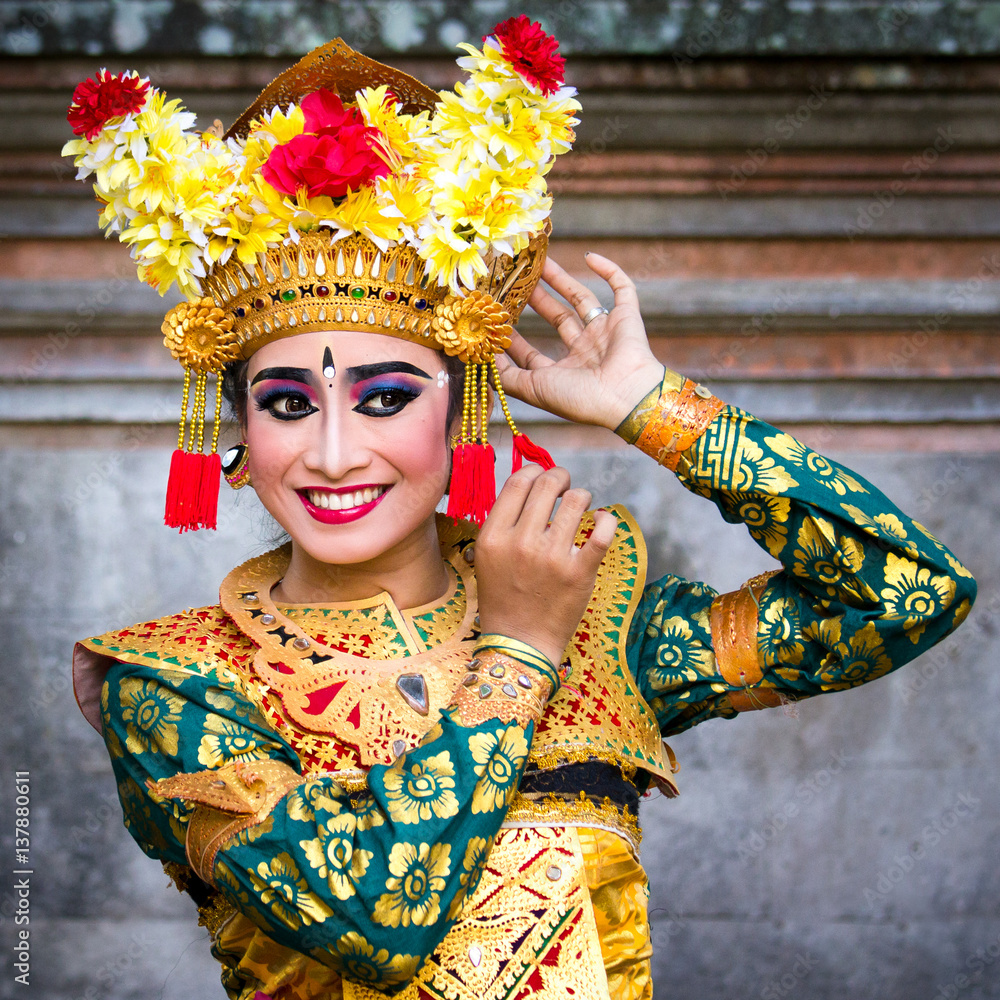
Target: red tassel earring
column 200, row 336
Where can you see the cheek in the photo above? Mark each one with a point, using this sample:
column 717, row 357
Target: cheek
column 270, row 450
column 422, row 446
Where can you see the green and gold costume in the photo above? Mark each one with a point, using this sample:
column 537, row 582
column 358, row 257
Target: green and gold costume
column 359, row 826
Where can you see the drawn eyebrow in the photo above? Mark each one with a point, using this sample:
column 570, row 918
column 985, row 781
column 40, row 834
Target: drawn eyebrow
column 361, row 372
column 302, row 375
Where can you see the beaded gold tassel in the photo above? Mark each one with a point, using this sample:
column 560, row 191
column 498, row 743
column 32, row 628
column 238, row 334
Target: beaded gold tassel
column 200, row 336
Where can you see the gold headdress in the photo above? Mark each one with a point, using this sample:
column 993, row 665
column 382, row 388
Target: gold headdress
column 349, row 196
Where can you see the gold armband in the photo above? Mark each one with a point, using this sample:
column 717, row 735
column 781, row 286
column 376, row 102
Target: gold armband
column 230, row 799
column 507, row 680
column 670, row 418
column 734, row 618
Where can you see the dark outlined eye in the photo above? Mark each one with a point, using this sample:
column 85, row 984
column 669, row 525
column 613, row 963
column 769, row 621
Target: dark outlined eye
column 284, row 404
column 384, row 401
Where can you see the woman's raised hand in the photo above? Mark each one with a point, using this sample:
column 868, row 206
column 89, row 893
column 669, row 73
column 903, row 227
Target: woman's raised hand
column 534, row 582
column 609, row 366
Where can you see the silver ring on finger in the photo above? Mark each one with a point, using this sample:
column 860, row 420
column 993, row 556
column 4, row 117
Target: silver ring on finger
column 593, row 314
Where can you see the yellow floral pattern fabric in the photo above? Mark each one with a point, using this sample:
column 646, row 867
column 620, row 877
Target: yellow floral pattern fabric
column 368, row 886
column 862, row 589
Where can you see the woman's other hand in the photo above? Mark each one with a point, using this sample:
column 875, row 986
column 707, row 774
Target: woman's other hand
column 609, row 366
column 534, row 582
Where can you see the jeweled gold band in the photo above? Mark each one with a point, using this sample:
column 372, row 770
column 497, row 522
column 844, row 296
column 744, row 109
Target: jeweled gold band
column 522, row 652
column 675, row 421
column 499, row 687
column 734, row 618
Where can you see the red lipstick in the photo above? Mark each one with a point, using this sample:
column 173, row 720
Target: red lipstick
column 327, row 516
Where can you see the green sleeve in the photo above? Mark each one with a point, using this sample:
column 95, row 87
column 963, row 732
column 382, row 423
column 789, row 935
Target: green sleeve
column 860, row 590
column 368, row 885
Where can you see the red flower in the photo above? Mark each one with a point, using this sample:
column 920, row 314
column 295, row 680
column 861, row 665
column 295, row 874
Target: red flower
column 325, row 113
column 96, row 102
column 325, row 164
column 531, row 52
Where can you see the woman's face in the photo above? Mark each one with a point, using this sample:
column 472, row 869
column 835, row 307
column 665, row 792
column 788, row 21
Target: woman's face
column 348, row 440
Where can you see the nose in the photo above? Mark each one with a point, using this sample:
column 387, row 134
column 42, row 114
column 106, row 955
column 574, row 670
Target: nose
column 335, row 451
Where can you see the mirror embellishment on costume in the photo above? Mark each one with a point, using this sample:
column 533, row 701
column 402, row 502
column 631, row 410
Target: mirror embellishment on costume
column 349, row 196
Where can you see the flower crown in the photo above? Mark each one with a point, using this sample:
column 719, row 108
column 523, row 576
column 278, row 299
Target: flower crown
column 348, row 196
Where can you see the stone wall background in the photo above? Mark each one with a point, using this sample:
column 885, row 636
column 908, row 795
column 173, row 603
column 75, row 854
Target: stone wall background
column 806, row 194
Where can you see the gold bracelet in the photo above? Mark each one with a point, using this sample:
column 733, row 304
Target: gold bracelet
column 631, row 427
column 522, row 652
column 499, row 687
column 678, row 419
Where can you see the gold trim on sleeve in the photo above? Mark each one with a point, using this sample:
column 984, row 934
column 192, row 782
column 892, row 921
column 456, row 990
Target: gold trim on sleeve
column 677, row 421
column 734, row 618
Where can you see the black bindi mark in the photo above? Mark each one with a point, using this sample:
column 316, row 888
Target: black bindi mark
column 328, row 367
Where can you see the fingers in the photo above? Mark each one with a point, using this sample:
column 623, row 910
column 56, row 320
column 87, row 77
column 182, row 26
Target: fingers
column 567, row 319
column 545, row 490
column 621, row 284
column 574, row 292
column 526, row 356
column 510, row 502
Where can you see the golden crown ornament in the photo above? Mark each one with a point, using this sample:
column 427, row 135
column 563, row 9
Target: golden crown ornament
column 348, row 196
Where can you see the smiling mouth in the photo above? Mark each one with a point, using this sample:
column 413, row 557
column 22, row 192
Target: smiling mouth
column 341, row 506
column 349, row 500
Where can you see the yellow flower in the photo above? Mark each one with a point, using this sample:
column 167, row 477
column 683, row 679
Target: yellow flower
column 517, row 137
column 278, row 126
column 333, row 855
column 361, row 211
column 451, row 260
column 150, row 713
column 914, row 594
column 402, row 132
column 680, row 657
column 250, row 233
column 362, row 963
column 405, row 198
column 417, row 877
column 287, row 894
column 422, row 791
column 778, row 633
column 498, row 758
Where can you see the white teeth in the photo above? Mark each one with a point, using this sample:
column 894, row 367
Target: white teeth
column 344, row 501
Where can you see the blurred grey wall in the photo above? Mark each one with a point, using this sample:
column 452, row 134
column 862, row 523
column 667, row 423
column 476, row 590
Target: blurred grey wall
column 806, row 194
